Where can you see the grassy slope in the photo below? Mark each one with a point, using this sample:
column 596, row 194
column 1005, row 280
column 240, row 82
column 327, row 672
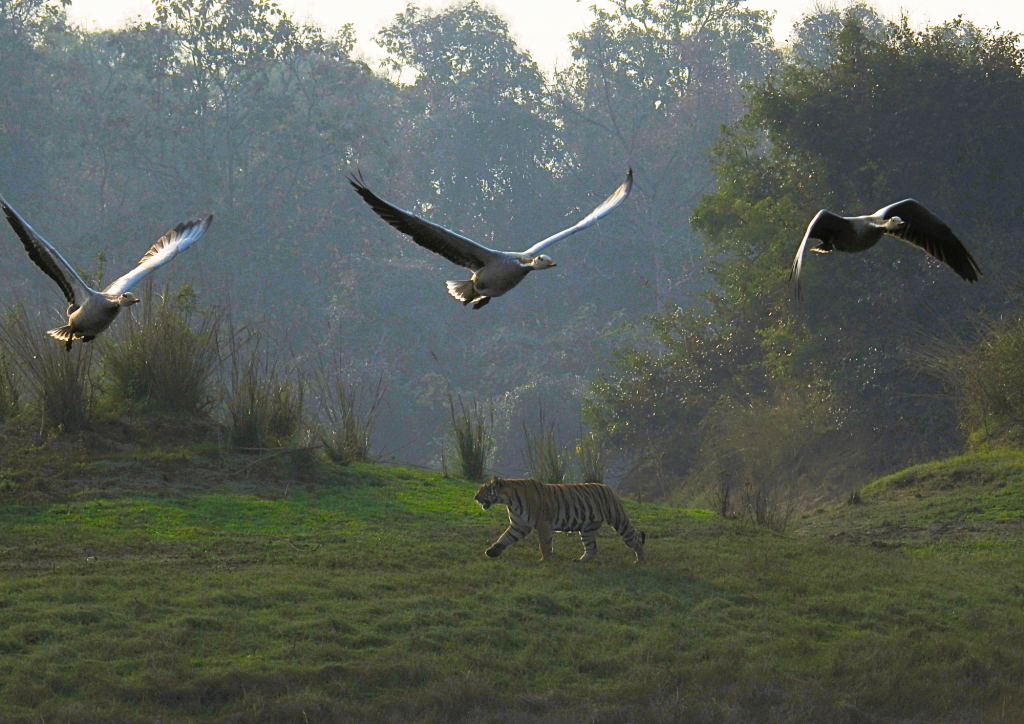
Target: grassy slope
column 174, row 586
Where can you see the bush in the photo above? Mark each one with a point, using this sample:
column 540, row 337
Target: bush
column 986, row 378
column 342, row 430
column 589, row 458
column 264, row 404
column 471, row 438
column 547, row 461
column 60, row 382
column 166, row 357
column 10, row 394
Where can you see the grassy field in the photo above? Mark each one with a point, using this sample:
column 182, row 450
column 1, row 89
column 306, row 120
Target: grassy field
column 180, row 584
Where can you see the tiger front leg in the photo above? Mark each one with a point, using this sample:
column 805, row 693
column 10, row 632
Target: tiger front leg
column 511, row 535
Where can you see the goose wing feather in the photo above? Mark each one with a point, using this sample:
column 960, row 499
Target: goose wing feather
column 823, row 227
column 452, row 246
column 606, row 207
column 926, row 231
column 48, row 259
column 168, row 246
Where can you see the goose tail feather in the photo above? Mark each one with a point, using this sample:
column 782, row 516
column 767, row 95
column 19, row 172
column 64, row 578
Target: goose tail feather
column 464, row 291
column 62, row 334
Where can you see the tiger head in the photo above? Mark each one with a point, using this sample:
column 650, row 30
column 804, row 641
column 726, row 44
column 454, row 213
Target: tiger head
column 490, row 493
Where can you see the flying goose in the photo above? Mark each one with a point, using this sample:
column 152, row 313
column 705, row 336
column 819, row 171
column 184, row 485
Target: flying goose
column 90, row 311
column 494, row 272
column 907, row 220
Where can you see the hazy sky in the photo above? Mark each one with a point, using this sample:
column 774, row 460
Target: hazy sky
column 542, row 26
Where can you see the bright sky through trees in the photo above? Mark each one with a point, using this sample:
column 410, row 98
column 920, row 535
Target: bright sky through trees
column 543, row 26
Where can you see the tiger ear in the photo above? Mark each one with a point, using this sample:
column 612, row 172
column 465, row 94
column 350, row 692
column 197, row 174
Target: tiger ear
column 496, row 481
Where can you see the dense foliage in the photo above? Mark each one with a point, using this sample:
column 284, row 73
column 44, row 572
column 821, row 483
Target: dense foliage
column 857, row 114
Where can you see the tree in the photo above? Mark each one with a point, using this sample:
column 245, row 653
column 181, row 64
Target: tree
column 859, row 114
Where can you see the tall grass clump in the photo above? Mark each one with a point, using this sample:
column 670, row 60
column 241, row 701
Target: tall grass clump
column 264, row 402
column 166, row 357
column 10, row 394
column 471, row 438
column 986, row 379
column 59, row 382
column 589, row 458
column 545, row 458
column 343, row 426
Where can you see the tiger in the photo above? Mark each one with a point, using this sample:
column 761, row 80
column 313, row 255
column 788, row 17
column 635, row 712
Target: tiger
column 579, row 507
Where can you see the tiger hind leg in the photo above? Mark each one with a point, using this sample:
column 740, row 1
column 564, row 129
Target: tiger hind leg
column 589, row 538
column 544, row 538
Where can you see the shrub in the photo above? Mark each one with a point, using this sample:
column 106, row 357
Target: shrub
column 546, row 460
column 589, row 458
column 986, row 377
column 10, row 394
column 342, row 429
column 166, row 356
column 59, row 382
column 264, row 404
column 471, row 438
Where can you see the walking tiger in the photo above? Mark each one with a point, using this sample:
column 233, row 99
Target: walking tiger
column 579, row 507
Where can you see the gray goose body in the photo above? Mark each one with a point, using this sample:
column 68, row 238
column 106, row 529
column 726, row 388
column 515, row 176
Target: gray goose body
column 494, row 272
column 906, row 220
column 91, row 311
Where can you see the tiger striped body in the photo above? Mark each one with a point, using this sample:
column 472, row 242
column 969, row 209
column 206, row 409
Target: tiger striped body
column 582, row 507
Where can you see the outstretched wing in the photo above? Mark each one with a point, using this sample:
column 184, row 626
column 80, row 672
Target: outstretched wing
column 607, row 206
column 453, row 247
column 926, row 231
column 48, row 259
column 166, row 248
column 823, row 227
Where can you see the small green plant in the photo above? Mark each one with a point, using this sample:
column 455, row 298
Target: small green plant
column 59, row 381
column 471, row 439
column 545, row 458
column 343, row 428
column 166, row 356
column 264, row 404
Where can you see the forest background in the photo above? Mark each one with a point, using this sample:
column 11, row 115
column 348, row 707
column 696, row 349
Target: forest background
column 669, row 329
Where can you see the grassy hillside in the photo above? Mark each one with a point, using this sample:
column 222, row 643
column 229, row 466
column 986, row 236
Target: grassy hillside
column 180, row 584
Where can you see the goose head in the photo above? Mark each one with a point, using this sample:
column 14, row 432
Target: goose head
column 893, row 224
column 541, row 262
column 126, row 299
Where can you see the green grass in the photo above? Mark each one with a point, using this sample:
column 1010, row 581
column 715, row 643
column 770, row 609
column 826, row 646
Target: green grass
column 239, row 592
column 971, row 502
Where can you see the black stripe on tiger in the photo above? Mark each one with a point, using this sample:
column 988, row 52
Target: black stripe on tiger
column 581, row 507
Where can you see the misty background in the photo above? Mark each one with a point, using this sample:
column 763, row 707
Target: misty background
column 668, row 329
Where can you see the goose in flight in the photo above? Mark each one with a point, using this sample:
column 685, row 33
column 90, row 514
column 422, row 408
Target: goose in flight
column 90, row 311
column 907, row 220
column 494, row 272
